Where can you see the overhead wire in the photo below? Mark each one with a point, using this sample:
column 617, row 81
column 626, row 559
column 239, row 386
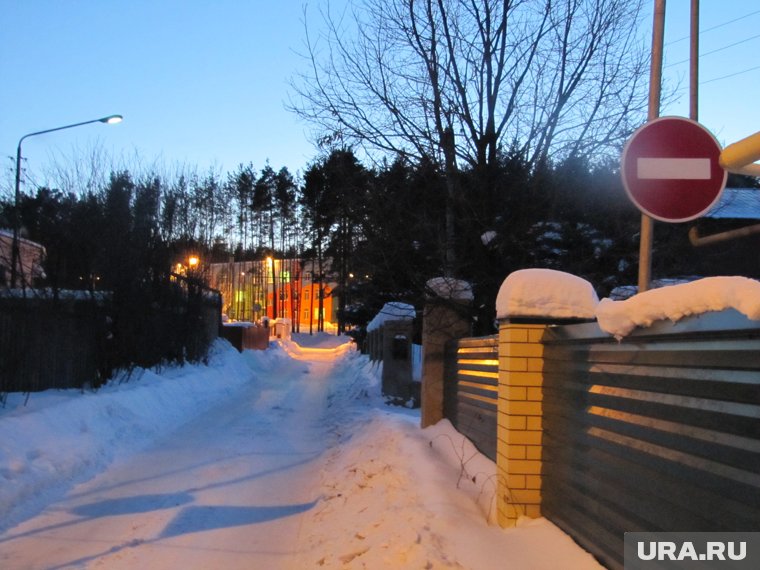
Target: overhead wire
column 715, row 27
column 743, row 71
column 730, row 75
column 717, row 50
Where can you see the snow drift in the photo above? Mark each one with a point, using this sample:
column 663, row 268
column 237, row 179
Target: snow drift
column 620, row 318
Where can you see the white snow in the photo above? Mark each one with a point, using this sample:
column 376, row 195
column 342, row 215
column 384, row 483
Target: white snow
column 554, row 294
column 545, row 293
column 284, row 458
column 393, row 311
column 450, row 288
column 619, row 318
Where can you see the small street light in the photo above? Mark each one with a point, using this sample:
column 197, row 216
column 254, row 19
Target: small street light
column 15, row 254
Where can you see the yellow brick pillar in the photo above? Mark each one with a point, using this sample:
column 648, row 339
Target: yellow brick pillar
column 518, row 450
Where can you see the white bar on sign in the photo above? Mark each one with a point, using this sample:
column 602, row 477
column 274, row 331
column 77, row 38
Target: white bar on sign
column 673, row 168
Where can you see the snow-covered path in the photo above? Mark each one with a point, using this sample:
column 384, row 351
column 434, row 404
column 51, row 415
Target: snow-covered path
column 287, row 458
column 226, row 491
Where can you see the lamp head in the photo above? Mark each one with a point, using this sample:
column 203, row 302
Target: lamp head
column 112, row 119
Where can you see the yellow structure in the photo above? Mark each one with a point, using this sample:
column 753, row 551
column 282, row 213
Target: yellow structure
column 740, row 157
column 309, row 306
column 518, row 450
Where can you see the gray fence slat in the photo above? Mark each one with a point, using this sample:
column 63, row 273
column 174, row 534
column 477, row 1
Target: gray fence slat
column 658, row 432
column 483, row 382
column 471, row 390
column 477, row 425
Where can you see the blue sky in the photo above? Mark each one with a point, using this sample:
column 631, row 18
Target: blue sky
column 205, row 83
column 729, row 66
column 197, row 81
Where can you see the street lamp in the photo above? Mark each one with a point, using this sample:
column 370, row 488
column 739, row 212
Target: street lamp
column 15, row 254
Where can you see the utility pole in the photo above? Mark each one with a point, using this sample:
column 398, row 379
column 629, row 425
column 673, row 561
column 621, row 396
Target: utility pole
column 694, row 62
column 655, row 81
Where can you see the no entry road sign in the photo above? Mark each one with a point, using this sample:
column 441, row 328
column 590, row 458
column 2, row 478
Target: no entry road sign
column 671, row 171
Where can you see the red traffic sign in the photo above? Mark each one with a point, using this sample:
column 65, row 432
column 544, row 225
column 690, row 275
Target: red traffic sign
column 670, row 169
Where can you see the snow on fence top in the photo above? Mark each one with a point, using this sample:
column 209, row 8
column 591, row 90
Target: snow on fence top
column 449, row 288
column 619, row 318
column 392, row 311
column 545, row 293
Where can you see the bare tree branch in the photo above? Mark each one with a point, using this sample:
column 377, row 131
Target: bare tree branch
column 404, row 76
column 458, row 81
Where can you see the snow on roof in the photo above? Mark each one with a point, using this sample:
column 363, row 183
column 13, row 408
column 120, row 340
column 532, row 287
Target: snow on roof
column 619, row 318
column 738, row 204
column 450, row 288
column 6, row 235
column 545, row 293
column 393, row 311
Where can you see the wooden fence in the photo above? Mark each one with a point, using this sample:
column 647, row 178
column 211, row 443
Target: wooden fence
column 373, row 344
column 391, row 345
column 471, row 386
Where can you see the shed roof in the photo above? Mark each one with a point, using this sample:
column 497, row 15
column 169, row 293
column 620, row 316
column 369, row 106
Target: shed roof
column 737, row 204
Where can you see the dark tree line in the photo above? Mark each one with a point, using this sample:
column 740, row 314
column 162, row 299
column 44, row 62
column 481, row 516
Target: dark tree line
column 385, row 228
column 133, row 225
column 379, row 233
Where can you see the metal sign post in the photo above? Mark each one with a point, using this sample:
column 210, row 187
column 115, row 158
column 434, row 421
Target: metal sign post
column 655, row 79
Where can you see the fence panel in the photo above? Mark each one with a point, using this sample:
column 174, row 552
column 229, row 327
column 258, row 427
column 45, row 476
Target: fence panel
column 660, row 432
column 246, row 336
column 69, row 340
column 46, row 344
column 471, row 389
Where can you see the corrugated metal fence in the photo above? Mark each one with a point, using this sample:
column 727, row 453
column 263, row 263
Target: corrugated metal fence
column 660, row 432
column 471, row 389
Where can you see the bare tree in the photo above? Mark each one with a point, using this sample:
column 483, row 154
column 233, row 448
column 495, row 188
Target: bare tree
column 456, row 81
column 430, row 77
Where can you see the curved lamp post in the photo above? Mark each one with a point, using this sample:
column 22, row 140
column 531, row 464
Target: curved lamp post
column 15, row 253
